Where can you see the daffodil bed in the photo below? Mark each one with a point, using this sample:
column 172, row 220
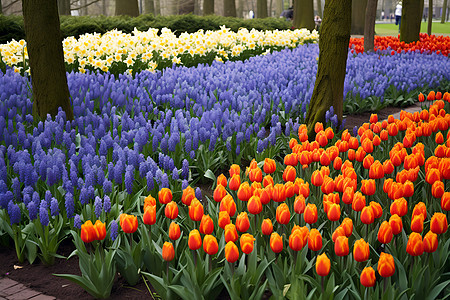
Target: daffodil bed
column 152, row 135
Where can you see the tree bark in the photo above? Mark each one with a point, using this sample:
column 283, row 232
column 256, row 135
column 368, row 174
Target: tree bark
column 261, row 9
column 149, row 7
column 1, row 9
column 358, row 16
column 48, row 72
column 369, row 26
column 304, row 14
column 319, row 8
column 186, row 7
column 333, row 51
column 444, row 11
column 240, row 9
column 208, row 7
column 411, row 19
column 127, row 8
column 157, row 7
column 279, row 8
column 430, row 16
column 387, row 9
column 229, row 8
column 64, row 7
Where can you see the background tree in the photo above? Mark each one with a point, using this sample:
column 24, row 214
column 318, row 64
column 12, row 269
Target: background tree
column 369, row 26
column 279, row 8
column 1, row 9
column 304, row 14
column 48, row 72
column 358, row 16
column 430, row 16
column 333, row 51
column 319, row 8
column 186, row 7
column 240, row 9
column 229, row 8
column 149, row 7
column 157, row 7
column 64, row 7
column 208, row 7
column 127, row 8
column 411, row 19
column 444, row 11
column 261, row 9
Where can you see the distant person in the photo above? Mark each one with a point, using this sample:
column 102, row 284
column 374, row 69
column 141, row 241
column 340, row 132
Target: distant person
column 318, row 22
column 288, row 14
column 398, row 15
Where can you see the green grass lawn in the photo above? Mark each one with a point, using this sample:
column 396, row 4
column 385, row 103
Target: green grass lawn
column 392, row 29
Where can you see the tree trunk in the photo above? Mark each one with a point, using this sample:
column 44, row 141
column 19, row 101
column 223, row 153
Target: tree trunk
column 444, row 11
column 319, row 8
column 149, row 7
column 229, row 8
column 410, row 21
column 333, row 51
column 127, row 8
column 1, row 9
column 186, row 7
column 304, row 14
column 430, row 16
column 261, row 9
column 64, row 7
column 387, row 9
column 208, row 7
column 358, row 16
column 240, row 9
column 157, row 7
column 279, row 8
column 369, row 26
column 48, row 72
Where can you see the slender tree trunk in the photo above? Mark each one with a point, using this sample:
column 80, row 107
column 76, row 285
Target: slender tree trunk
column 64, row 7
column 48, row 72
column 208, row 7
column 229, row 8
column 430, row 16
column 279, row 9
column 333, row 51
column 261, row 9
column 304, row 14
column 149, row 7
column 240, row 9
column 127, row 8
column 369, row 26
column 319, row 8
column 104, row 8
column 411, row 19
column 388, row 9
column 186, row 7
column 1, row 9
column 157, row 7
column 358, row 16
column 269, row 10
column 444, row 11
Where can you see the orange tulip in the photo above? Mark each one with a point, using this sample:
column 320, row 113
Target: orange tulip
column 334, row 212
column 289, row 174
column 361, row 250
column 339, row 231
column 385, row 233
column 276, row 242
column 255, row 175
column 359, row 202
column 283, row 215
column 168, row 252
column 266, row 195
column 231, row 252
column 210, row 245
column 399, row 207
column 317, row 178
column 388, row 167
column 165, row 195
column 310, row 214
column 150, row 215
column 246, row 242
column 437, row 189
column 174, row 231
column 327, row 185
column 430, row 242
column 439, row 224
column 445, row 201
column 368, row 187
column 196, row 210
column 88, row 233
column 377, row 209
column 347, row 196
column 417, row 223
column 222, row 180
column 100, row 230
column 235, row 182
column 347, row 225
column 291, row 159
column 341, row 246
column 171, row 210
column 194, row 240
column 367, row 277
column 420, row 209
column 314, row 240
column 234, row 169
column 219, row 193
column 323, row 265
column 254, row 205
column 149, row 201
column 296, row 240
column 432, row 175
column 206, row 225
column 242, row 222
column 386, row 265
column 299, row 204
column 367, row 216
column 228, row 205
column 128, row 223
column 230, row 233
column 376, row 170
column 408, row 189
column 266, row 227
column 268, row 180
column 189, row 194
column 415, row 244
column 244, row 192
column 396, row 224
column 224, row 219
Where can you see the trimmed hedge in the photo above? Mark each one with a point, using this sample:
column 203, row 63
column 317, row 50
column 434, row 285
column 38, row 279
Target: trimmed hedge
column 11, row 27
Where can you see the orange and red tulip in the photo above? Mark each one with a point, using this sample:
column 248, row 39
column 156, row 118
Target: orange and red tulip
column 242, row 222
column 210, row 245
column 150, row 215
column 88, row 232
column 367, row 216
column 276, row 242
column 415, row 244
column 367, row 277
column 361, row 250
column 385, row 233
column 234, row 170
column 235, row 182
column 314, row 240
column 174, row 231
column 269, row 166
column 310, row 215
column 430, row 242
column 224, row 219
column 231, row 252
column 283, row 215
column 386, row 265
column 168, row 252
column 128, row 223
column 341, row 246
column 194, row 240
column 396, row 224
column 219, row 193
column 439, row 223
column 230, row 233
column 189, row 194
column 165, row 195
column 323, row 265
column 417, row 223
column 171, row 210
column 206, row 225
column 266, row 227
column 246, row 241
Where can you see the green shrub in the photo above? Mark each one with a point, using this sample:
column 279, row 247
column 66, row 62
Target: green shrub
column 11, row 27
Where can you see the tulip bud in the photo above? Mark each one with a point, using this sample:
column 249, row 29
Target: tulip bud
column 195, row 240
column 361, row 250
column 396, row 224
column 206, row 225
column 385, row 233
column 100, row 230
column 165, row 195
column 88, row 232
column 430, row 242
column 415, row 244
column 171, row 210
column 128, row 223
column 314, row 240
column 231, row 252
column 254, row 205
column 219, row 193
column 367, row 277
column 230, row 233
column 310, row 214
column 269, row 166
column 276, row 242
column 386, row 265
column 439, row 223
column 174, row 231
column 367, row 216
column 323, row 265
column 188, row 195
column 168, row 252
column 224, row 219
column 246, row 242
column 210, row 245
column 150, row 215
column 283, row 214
column 266, row 227
column 235, row 182
column 195, row 210
column 341, row 246
column 242, row 222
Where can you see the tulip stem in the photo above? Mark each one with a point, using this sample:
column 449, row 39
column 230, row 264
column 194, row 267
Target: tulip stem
column 167, row 270
column 194, row 252
column 321, row 281
column 210, row 263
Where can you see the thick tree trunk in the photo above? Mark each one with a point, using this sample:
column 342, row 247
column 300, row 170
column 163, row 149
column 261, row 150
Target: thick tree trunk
column 208, row 7
column 64, row 7
column 304, row 14
column 48, row 72
column 127, row 8
column 358, row 16
column 333, row 51
column 319, row 8
column 229, row 8
column 186, row 7
column 430, row 16
column 369, row 26
column 444, row 11
column 149, row 7
column 410, row 22
column 261, row 9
